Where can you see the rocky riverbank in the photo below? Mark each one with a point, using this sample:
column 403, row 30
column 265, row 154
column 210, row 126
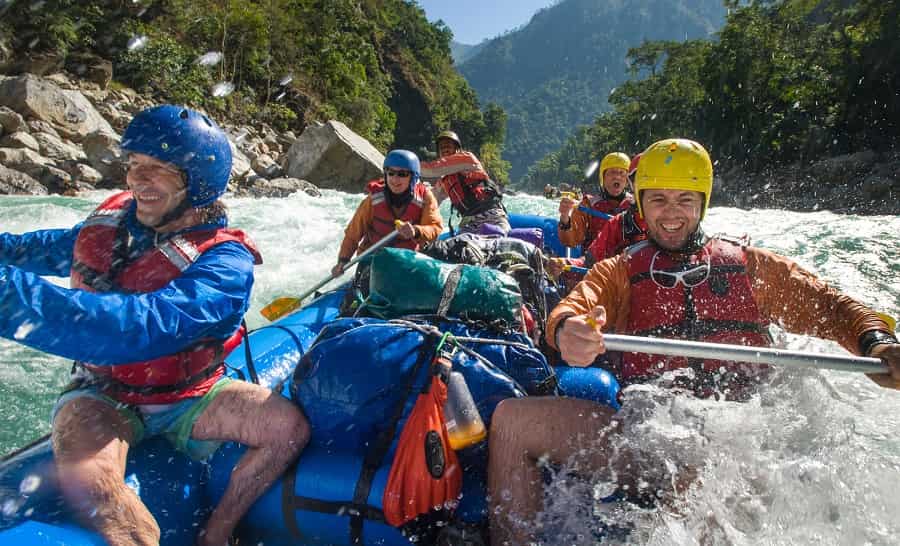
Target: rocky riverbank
column 60, row 134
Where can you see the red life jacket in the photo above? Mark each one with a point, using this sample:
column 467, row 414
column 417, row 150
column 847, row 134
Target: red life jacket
column 100, row 265
column 383, row 215
column 602, row 203
column 620, row 232
column 472, row 192
column 720, row 309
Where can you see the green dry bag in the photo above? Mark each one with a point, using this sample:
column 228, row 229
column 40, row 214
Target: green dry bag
column 404, row 282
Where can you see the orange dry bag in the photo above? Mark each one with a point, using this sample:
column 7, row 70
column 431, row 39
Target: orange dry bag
column 425, row 481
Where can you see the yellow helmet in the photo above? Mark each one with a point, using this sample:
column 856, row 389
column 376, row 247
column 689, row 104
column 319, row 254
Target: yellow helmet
column 615, row 160
column 675, row 164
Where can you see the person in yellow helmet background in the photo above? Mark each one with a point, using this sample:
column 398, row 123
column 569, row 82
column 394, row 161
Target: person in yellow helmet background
column 679, row 284
column 577, row 225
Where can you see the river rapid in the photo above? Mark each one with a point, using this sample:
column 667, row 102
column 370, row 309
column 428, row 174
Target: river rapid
column 813, row 459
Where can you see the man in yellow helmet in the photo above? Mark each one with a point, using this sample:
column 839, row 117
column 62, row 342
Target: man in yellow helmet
column 579, row 223
column 679, row 284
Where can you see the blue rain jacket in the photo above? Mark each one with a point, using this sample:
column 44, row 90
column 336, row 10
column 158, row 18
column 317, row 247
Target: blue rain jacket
column 207, row 301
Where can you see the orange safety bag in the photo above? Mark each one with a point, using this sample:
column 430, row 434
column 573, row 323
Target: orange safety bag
column 425, row 481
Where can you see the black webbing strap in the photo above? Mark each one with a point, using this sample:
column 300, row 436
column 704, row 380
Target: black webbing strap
column 248, row 355
column 382, row 444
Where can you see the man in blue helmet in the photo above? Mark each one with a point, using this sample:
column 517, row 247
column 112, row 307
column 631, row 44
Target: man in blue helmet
column 398, row 201
column 159, row 289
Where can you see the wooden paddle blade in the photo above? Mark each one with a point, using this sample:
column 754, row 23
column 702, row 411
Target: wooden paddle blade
column 280, row 307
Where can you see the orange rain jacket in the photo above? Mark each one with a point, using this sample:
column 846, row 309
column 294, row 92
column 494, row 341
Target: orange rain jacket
column 785, row 293
column 429, row 226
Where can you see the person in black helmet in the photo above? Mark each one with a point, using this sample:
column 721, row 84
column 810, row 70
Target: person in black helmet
column 460, row 176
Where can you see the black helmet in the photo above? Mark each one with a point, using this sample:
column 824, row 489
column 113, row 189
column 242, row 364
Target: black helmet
column 448, row 135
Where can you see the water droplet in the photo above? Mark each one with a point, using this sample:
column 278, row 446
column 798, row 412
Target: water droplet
column 137, row 42
column 286, row 80
column 652, row 117
column 210, row 58
column 23, row 330
column 30, row 484
column 222, row 89
column 11, row 506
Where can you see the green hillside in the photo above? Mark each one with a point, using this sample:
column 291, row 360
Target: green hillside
column 557, row 72
column 377, row 65
column 784, row 84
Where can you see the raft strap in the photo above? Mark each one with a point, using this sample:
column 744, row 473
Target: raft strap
column 248, row 356
column 449, row 291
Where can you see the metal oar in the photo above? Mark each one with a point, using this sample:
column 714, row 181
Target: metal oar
column 738, row 353
column 282, row 306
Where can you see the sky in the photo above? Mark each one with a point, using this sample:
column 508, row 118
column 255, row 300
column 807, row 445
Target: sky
column 475, row 20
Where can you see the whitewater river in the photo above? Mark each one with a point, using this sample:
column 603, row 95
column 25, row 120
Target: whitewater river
column 814, row 459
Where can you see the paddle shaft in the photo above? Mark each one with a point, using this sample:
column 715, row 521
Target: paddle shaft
column 374, row 248
column 737, row 353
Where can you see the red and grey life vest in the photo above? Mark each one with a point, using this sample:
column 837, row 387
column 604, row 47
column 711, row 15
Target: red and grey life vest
column 101, row 264
column 720, row 309
column 602, row 203
column 383, row 215
column 472, row 192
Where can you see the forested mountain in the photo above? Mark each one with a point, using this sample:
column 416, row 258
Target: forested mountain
column 463, row 52
column 556, row 72
column 783, row 85
column 377, row 65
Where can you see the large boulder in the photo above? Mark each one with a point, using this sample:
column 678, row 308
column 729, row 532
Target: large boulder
column 12, row 121
column 58, row 149
column 69, row 111
column 20, row 139
column 14, row 182
column 240, row 165
column 22, row 159
column 333, row 156
column 279, row 187
column 103, row 153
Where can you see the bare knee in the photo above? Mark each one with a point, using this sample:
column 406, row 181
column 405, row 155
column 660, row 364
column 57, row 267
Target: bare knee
column 296, row 432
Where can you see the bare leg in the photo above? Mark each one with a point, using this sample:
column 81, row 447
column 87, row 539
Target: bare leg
column 90, row 444
column 523, row 431
column 275, row 432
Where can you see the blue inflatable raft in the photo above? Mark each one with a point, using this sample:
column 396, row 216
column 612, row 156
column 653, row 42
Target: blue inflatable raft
column 342, row 372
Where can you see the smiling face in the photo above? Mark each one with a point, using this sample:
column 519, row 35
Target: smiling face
column 397, row 179
column 615, row 181
column 158, row 187
column 446, row 147
column 672, row 216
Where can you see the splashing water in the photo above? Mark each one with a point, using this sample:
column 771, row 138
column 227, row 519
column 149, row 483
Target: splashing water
column 814, row 457
column 137, row 42
column 210, row 58
column 222, row 89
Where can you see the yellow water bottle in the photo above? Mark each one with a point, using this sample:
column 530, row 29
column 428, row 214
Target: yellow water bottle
column 461, row 416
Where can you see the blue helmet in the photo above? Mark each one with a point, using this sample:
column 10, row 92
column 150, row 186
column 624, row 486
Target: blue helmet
column 190, row 141
column 404, row 159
